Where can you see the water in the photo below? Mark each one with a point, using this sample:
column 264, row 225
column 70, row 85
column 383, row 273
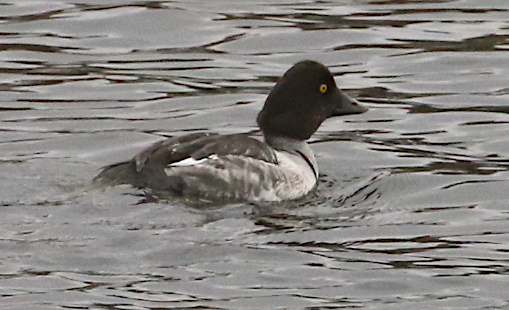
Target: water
column 411, row 212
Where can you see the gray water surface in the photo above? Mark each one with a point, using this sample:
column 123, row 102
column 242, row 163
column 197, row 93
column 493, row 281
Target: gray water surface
column 412, row 209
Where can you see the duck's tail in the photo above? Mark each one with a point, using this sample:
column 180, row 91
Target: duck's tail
column 152, row 177
column 116, row 174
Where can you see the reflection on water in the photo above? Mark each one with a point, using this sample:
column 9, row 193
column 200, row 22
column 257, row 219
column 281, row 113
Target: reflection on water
column 411, row 210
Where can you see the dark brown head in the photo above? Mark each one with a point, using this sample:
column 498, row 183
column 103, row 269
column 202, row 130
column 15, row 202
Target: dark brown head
column 302, row 99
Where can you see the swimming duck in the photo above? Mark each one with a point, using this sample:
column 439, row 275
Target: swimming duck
column 238, row 167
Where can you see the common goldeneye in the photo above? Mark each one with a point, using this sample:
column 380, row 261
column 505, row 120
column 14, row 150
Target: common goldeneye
column 238, row 167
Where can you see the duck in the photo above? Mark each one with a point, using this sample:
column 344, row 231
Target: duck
column 240, row 167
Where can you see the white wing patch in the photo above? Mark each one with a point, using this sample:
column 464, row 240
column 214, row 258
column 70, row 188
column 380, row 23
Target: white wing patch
column 189, row 161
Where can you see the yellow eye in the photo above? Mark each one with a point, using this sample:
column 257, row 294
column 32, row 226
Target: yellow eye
column 323, row 88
